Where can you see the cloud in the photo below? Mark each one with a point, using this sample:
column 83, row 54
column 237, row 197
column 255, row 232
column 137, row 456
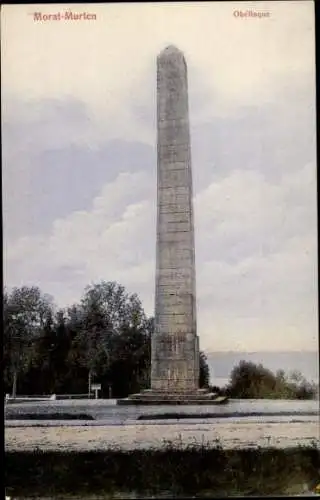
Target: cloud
column 114, row 240
column 244, row 212
column 48, row 145
column 255, row 247
column 257, row 261
column 58, row 151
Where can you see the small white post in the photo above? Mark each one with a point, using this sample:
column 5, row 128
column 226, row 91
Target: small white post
column 96, row 388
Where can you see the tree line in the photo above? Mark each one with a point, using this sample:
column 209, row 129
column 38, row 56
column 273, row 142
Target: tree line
column 105, row 338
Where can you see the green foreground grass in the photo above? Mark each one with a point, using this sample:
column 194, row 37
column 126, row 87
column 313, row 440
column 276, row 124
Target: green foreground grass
column 171, row 471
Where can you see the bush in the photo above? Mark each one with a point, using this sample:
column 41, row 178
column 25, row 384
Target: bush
column 251, row 381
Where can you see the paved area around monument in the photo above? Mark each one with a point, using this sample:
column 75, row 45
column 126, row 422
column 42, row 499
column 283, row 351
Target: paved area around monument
column 228, row 434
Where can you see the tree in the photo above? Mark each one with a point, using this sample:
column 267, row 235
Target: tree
column 249, row 380
column 300, row 386
column 50, row 358
column 60, row 351
column 204, row 378
column 24, row 315
column 40, row 373
column 113, row 338
column 75, row 380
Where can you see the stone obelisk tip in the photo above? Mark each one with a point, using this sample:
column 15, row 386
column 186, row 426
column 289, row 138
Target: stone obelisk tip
column 170, row 50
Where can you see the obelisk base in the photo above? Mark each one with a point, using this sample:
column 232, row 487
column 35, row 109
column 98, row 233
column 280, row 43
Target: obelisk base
column 150, row 397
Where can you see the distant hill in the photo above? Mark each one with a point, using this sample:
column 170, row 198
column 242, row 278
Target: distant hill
column 221, row 363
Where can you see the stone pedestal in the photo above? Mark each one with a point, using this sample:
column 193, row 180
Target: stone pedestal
column 195, row 397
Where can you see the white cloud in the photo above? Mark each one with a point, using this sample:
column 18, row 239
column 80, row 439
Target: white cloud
column 244, row 205
column 257, row 262
column 103, row 243
column 262, row 302
column 253, row 292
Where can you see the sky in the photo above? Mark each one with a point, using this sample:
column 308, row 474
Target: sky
column 79, row 159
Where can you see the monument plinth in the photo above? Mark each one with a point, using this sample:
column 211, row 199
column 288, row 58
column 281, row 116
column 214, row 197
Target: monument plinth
column 175, row 345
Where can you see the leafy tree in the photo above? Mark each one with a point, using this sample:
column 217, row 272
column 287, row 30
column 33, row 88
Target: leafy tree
column 41, row 362
column 51, row 357
column 59, row 354
column 249, row 380
column 204, row 378
column 24, row 315
column 112, row 342
column 300, row 386
column 76, row 379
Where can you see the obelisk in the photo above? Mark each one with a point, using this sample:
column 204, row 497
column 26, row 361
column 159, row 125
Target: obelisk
column 175, row 348
column 174, row 345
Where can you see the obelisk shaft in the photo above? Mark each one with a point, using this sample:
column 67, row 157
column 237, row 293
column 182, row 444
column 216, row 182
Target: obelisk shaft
column 175, row 350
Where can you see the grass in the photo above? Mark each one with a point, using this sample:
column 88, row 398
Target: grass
column 196, row 470
column 49, row 416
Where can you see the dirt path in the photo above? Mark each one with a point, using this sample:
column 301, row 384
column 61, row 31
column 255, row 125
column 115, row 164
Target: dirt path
column 229, row 435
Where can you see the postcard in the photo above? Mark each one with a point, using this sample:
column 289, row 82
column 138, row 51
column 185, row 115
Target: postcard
column 160, row 234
